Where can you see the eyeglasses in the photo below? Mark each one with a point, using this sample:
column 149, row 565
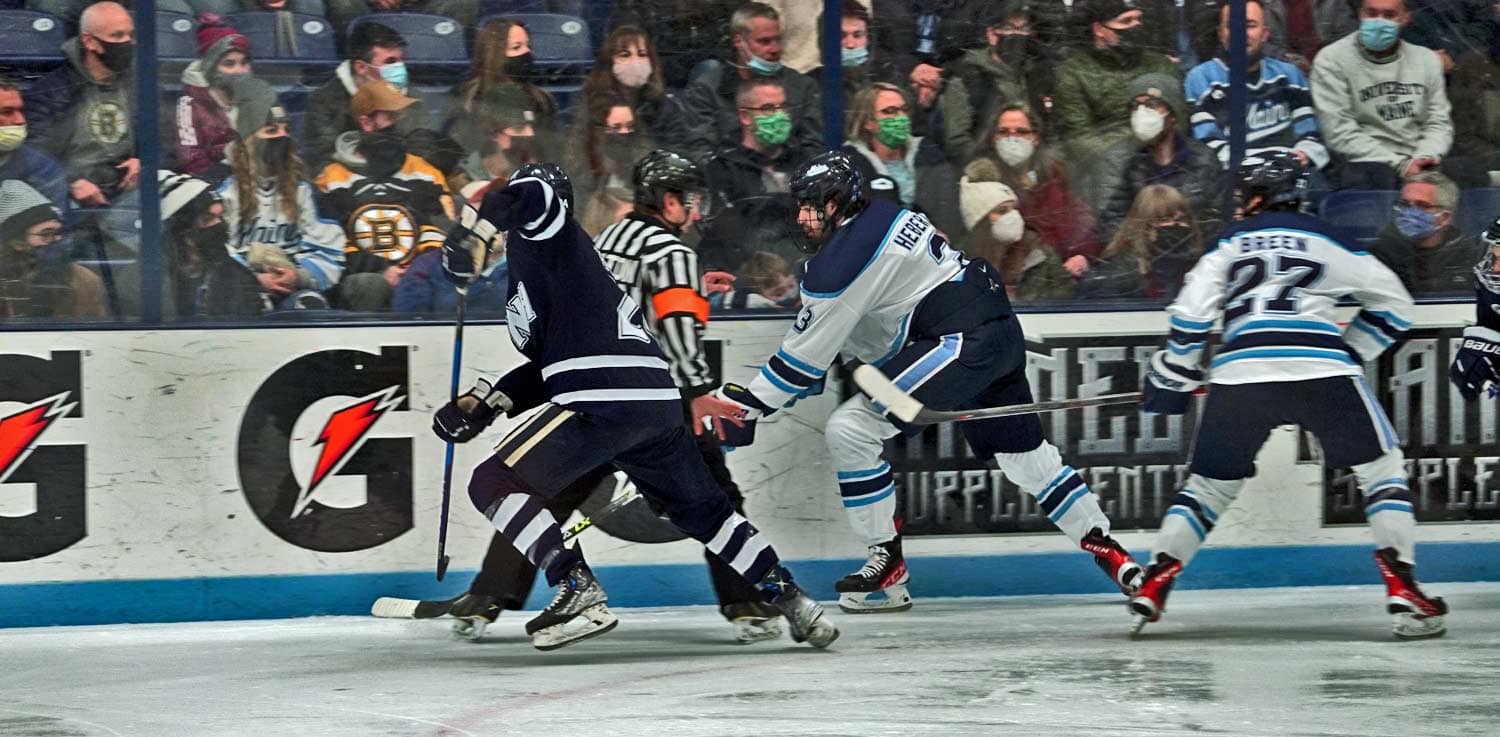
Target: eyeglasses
column 769, row 108
column 1426, row 207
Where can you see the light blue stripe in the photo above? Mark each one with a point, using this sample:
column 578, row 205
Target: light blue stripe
column 1209, row 513
column 1377, row 412
column 1054, row 482
column 1384, row 340
column 800, row 365
column 1191, row 518
column 1389, row 505
column 1062, row 509
column 930, row 363
column 868, row 473
column 1308, row 325
column 897, row 343
column 1184, row 350
column 1190, row 325
column 1383, row 483
column 792, row 376
column 1324, row 354
column 1392, row 319
column 771, row 377
column 868, row 500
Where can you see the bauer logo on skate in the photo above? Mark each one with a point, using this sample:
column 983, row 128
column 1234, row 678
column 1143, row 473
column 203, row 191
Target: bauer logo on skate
column 314, row 462
column 42, row 482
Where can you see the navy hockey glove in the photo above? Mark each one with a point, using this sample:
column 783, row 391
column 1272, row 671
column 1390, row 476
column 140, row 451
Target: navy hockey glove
column 1168, row 387
column 1477, row 364
column 471, row 234
column 460, row 420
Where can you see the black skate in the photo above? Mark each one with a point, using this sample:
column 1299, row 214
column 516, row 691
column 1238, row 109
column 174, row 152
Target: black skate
column 579, row 597
column 1114, row 560
column 879, row 586
column 803, row 615
column 1150, row 599
column 1416, row 615
column 473, row 612
column 753, row 621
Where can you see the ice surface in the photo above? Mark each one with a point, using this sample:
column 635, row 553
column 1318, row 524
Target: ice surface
column 1244, row 662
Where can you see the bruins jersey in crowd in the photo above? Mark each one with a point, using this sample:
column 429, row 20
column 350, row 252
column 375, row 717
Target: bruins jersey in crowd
column 388, row 219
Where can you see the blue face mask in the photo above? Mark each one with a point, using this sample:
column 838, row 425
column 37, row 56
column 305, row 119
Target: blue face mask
column 761, row 66
column 1415, row 223
column 395, row 73
column 1378, row 34
column 855, row 57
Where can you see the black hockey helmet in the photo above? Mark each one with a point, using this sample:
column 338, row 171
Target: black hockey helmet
column 553, row 175
column 662, row 171
column 1484, row 271
column 1278, row 177
column 828, row 177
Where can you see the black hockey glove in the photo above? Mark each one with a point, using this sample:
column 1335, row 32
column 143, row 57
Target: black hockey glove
column 1476, row 366
column 472, row 234
column 1168, row 387
column 462, row 419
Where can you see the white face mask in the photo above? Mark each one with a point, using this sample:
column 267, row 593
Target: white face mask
column 1014, row 150
column 633, row 72
column 11, row 137
column 1146, row 123
column 1007, row 229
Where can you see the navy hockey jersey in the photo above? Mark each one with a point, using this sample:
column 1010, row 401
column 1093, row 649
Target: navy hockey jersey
column 1486, row 304
column 584, row 338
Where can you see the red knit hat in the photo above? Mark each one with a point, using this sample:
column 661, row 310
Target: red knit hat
column 211, row 29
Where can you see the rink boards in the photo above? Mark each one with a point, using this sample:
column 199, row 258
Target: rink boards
column 206, row 474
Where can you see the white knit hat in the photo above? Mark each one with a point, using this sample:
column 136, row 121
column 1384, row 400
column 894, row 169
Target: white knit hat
column 177, row 190
column 21, row 207
column 977, row 198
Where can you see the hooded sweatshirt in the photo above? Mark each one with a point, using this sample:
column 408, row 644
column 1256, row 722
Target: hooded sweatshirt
column 1386, row 111
column 205, row 117
column 85, row 124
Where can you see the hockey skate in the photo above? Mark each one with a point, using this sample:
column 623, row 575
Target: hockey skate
column 879, row 586
column 753, row 621
column 1114, row 560
column 1150, row 599
column 1415, row 615
column 472, row 614
column 803, row 615
column 580, row 601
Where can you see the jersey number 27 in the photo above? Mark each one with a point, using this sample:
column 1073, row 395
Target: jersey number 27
column 1249, row 273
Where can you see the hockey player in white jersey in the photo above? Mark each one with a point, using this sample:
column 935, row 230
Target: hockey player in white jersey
column 1276, row 277
column 1476, row 366
column 885, row 288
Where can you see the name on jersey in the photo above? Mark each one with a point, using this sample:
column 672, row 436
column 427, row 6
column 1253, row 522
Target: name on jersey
column 911, row 232
column 1256, row 242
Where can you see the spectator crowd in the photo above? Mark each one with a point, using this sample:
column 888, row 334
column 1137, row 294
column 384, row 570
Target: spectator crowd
column 1081, row 146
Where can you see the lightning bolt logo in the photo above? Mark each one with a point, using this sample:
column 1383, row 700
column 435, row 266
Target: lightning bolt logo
column 342, row 435
column 20, row 431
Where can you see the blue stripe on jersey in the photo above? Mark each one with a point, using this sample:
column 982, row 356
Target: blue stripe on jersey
column 1317, row 354
column 777, row 381
column 800, row 365
column 936, row 359
column 852, row 489
column 1381, row 339
column 865, row 474
column 1396, row 320
column 1381, row 322
column 1284, row 325
column 790, row 375
column 1276, row 338
column 1191, row 326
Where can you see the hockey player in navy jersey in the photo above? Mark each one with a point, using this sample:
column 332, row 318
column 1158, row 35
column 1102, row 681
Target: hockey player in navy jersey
column 1476, row 366
column 1276, row 277
column 884, row 287
column 607, row 396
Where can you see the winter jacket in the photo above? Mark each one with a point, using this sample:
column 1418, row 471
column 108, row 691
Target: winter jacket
column 979, row 86
column 891, row 71
column 1445, row 269
column 38, row 169
column 313, row 244
column 715, row 119
column 1049, row 204
column 47, row 284
column 751, row 208
column 1031, row 270
column 936, row 193
column 1386, row 111
column 1279, row 112
column 424, row 289
column 84, row 124
column 1194, row 171
column 1092, row 103
column 204, row 128
column 328, row 115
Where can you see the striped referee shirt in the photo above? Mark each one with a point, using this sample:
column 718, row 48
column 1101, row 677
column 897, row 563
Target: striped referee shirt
column 661, row 274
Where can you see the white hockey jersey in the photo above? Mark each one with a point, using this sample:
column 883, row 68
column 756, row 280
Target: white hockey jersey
column 858, row 298
column 1276, row 279
column 315, row 244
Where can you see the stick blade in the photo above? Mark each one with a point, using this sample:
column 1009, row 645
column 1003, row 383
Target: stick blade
column 881, row 390
column 389, row 607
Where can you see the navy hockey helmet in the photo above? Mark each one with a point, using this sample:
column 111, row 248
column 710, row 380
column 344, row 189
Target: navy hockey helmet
column 829, row 177
column 661, row 172
column 553, row 175
column 1278, row 177
column 1484, row 271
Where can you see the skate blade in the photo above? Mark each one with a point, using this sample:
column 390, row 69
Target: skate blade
column 886, row 601
column 598, row 619
column 823, row 634
column 1409, row 627
column 1140, row 624
column 750, row 630
column 470, row 628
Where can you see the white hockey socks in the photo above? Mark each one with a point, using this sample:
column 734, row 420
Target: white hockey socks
column 1389, row 504
column 1060, row 491
column 1192, row 515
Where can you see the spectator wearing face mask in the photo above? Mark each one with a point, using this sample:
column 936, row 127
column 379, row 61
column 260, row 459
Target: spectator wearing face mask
column 1092, row 100
column 204, row 124
column 878, row 137
column 608, row 140
column 21, row 160
column 391, row 203
column 507, row 125
column 711, row 97
column 612, row 139
column 1011, row 69
column 194, row 241
column 377, row 53
column 1040, row 177
column 1421, row 244
column 1157, row 153
column 861, row 66
column 997, row 233
column 81, row 113
column 37, row 277
column 1152, row 251
column 689, row 32
column 274, row 227
column 1381, row 101
column 502, row 69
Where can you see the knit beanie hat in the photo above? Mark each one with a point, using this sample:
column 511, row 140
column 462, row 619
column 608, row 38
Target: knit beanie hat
column 21, row 207
column 980, row 190
column 178, row 191
column 255, row 106
column 214, row 32
column 1164, row 87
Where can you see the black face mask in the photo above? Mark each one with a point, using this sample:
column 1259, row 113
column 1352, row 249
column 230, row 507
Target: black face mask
column 523, row 150
column 384, row 152
column 273, row 153
column 210, row 242
column 521, row 68
column 1172, row 242
column 117, row 56
column 1014, row 49
column 1132, row 42
column 622, row 150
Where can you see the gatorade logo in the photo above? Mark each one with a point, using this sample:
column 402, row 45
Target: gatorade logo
column 42, row 481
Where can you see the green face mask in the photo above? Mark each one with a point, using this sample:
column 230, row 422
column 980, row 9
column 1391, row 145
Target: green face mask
column 894, row 132
column 773, row 129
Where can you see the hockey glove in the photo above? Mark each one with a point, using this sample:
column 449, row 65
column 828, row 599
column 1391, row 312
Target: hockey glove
column 1168, row 386
column 471, row 234
column 460, row 420
column 1477, row 363
column 750, row 409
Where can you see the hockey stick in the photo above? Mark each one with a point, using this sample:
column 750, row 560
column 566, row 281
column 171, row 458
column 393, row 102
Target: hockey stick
column 458, row 358
column 906, row 408
column 391, row 607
